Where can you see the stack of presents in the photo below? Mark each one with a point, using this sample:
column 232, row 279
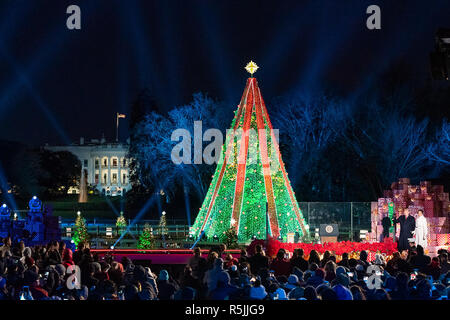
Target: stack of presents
column 430, row 198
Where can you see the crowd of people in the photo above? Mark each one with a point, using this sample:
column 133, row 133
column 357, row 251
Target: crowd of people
column 55, row 272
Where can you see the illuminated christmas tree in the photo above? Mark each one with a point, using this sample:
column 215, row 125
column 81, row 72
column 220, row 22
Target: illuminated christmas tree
column 250, row 189
column 162, row 227
column 80, row 234
column 146, row 240
column 121, row 222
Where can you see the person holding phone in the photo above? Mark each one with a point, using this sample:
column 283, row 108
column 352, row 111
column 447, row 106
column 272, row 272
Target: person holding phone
column 25, row 294
column 31, row 281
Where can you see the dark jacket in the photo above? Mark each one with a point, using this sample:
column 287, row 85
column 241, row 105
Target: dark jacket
column 300, row 263
column 257, row 262
column 420, row 261
column 281, row 267
column 165, row 290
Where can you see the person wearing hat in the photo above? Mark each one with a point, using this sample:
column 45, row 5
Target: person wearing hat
column 165, row 288
column 212, row 275
column 67, row 257
column 280, row 294
column 342, row 292
column 317, row 278
column 224, row 289
column 31, row 279
column 147, row 291
column 296, row 294
column 360, row 271
column 343, row 279
column 298, row 273
column 257, row 291
column 61, row 270
column 292, row 282
column 26, row 259
column 145, row 276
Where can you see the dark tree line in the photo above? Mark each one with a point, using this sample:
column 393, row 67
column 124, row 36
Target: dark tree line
column 335, row 148
column 29, row 171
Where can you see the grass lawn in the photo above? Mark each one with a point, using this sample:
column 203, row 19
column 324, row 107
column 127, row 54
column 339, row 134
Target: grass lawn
column 97, row 207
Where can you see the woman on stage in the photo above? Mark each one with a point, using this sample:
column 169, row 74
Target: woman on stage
column 421, row 231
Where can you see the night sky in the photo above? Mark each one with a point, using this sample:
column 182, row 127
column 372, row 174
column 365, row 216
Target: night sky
column 58, row 84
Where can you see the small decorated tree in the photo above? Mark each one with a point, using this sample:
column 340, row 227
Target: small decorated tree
column 80, row 233
column 121, row 223
column 146, row 240
column 231, row 238
column 162, row 227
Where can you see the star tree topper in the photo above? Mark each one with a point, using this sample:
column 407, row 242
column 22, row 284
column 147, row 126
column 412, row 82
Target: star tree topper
column 251, row 67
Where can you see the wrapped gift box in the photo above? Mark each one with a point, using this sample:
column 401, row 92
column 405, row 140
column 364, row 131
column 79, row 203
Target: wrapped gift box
column 443, row 239
column 371, row 255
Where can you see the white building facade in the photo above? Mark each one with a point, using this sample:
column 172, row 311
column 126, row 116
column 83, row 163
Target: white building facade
column 104, row 164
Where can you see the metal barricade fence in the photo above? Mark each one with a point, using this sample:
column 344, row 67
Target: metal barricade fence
column 350, row 216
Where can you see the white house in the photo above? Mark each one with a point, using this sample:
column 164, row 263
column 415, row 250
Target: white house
column 105, row 164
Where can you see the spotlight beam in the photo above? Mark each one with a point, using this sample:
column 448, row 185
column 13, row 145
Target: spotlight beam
column 24, row 78
column 143, row 210
column 4, row 186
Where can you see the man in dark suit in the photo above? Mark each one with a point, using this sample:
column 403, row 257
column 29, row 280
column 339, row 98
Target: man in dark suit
column 407, row 226
column 386, row 223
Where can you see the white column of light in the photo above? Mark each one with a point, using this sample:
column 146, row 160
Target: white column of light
column 91, row 163
column 109, row 172
column 119, row 172
column 100, row 171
